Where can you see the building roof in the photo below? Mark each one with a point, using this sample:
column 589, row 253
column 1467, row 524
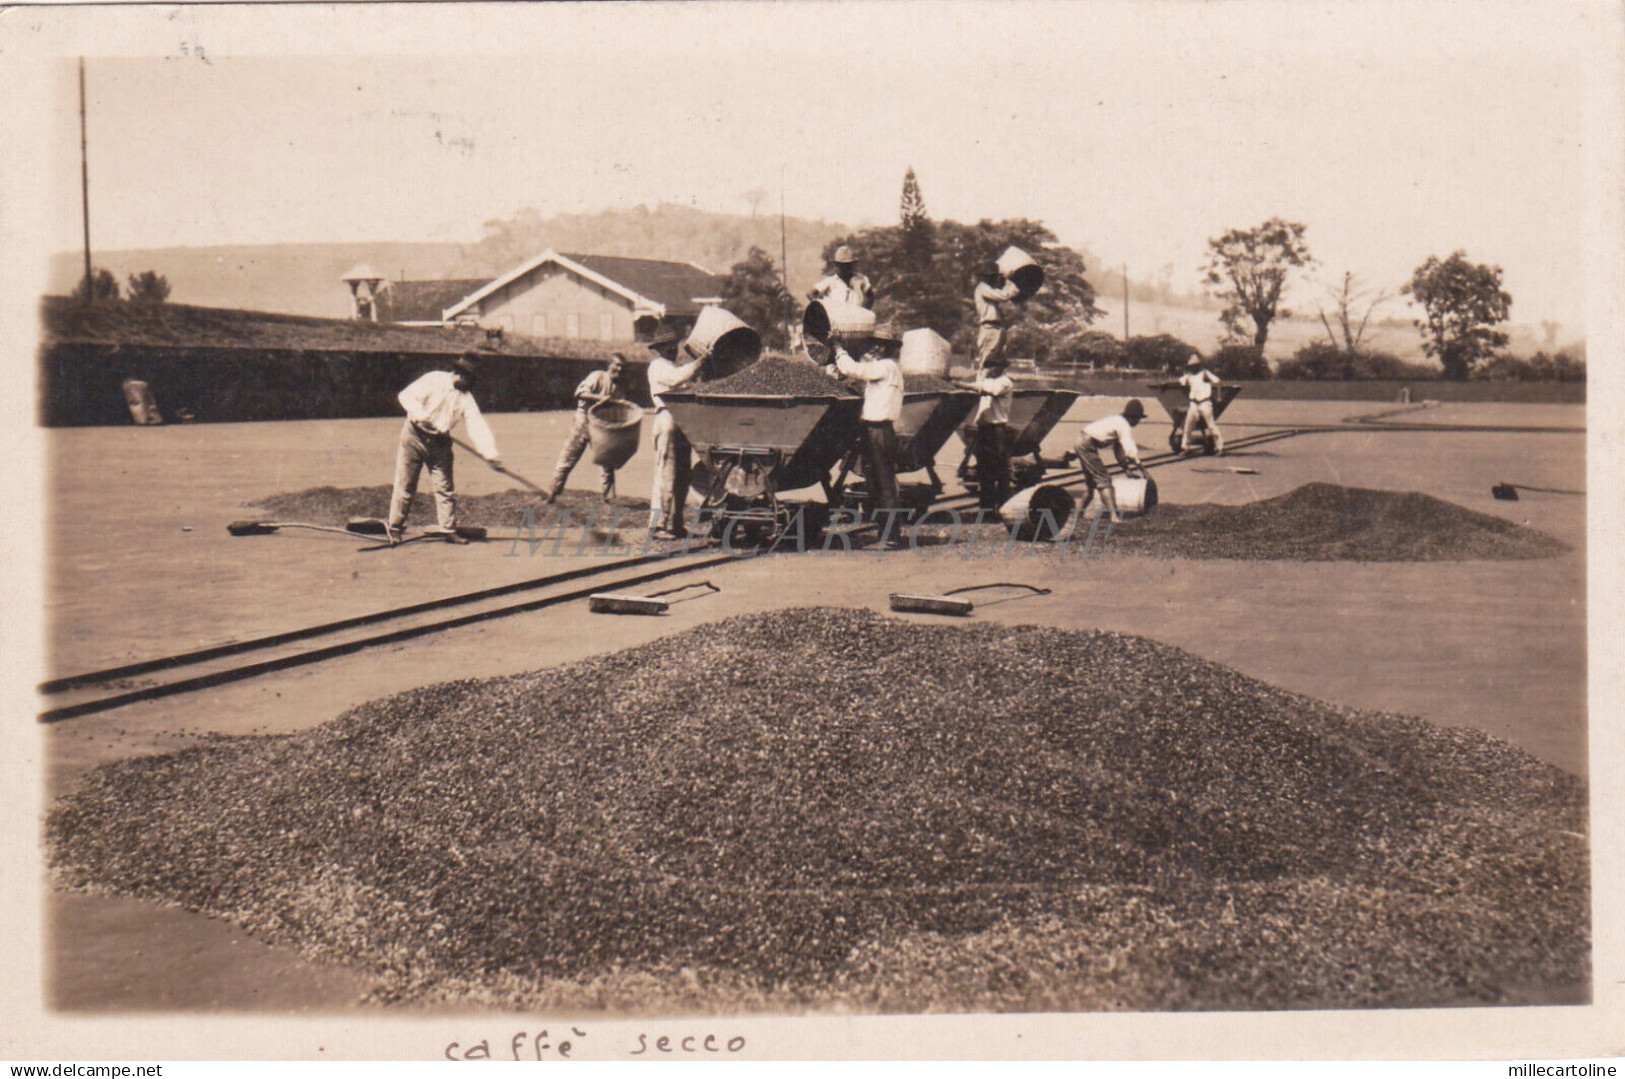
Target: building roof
column 660, row 287
column 423, row 301
column 361, row 272
column 679, row 287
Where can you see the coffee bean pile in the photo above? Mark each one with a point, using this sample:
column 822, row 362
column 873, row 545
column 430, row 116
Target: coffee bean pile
column 1322, row 522
column 929, row 384
column 829, row 808
column 502, row 510
column 779, row 376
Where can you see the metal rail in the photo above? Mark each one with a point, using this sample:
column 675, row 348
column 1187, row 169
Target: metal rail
column 316, row 655
column 180, row 661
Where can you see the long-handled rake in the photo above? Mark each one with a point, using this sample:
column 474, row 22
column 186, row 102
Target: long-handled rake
column 946, row 604
column 619, row 603
column 1508, row 492
column 266, row 528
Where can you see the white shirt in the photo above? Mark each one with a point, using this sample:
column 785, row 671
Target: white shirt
column 666, row 375
column 994, row 405
column 1200, row 385
column 882, row 385
column 855, row 293
column 435, row 402
column 988, row 300
column 1114, row 429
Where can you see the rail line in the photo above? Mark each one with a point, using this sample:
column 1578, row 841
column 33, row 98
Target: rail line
column 680, row 564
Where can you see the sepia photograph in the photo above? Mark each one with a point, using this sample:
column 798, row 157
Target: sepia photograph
column 717, row 529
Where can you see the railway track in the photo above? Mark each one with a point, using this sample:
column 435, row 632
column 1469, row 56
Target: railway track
column 112, row 687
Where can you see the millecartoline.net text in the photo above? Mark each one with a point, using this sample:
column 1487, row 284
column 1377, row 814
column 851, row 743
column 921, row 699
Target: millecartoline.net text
column 619, row 532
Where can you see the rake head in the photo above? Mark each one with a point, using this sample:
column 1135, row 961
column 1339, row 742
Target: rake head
column 913, row 604
column 616, row 603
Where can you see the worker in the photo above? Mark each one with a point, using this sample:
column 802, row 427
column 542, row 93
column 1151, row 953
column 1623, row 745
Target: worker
column 845, row 287
column 1200, row 384
column 606, row 385
column 1114, row 431
column 990, row 443
column 991, row 294
column 668, row 502
column 434, row 405
column 858, row 357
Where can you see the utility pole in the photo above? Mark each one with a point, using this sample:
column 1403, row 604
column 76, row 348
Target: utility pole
column 784, row 250
column 84, row 177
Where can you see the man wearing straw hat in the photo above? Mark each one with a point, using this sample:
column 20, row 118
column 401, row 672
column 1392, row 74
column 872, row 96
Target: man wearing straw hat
column 845, row 287
column 882, row 382
column 1200, row 383
column 991, row 441
column 434, row 405
column 992, row 293
column 605, row 385
column 668, row 501
column 1116, row 432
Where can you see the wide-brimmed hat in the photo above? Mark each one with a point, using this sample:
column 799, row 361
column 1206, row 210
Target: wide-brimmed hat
column 1194, row 361
column 665, row 335
column 1134, row 410
column 888, row 331
column 990, row 269
column 467, row 364
column 844, row 254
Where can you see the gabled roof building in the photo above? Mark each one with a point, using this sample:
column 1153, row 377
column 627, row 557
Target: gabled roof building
column 554, row 295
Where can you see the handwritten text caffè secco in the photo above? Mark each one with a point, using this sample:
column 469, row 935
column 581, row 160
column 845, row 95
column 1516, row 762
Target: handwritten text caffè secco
column 540, row 1045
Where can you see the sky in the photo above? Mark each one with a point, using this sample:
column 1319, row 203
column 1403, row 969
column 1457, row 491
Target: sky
column 1394, row 131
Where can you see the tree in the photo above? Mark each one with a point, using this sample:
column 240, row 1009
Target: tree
column 1248, row 268
column 148, row 286
column 103, row 287
column 919, row 234
column 1163, row 352
column 940, row 295
column 1462, row 303
column 1234, row 361
column 754, row 291
column 1347, row 299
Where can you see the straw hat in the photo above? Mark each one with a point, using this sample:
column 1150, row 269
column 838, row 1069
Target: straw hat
column 843, row 254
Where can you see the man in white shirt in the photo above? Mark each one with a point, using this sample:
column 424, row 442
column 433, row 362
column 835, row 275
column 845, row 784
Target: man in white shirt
column 991, row 442
column 1200, row 384
column 882, row 405
column 845, row 287
column 1116, row 432
column 674, row 457
column 434, row 405
column 992, row 293
column 605, row 385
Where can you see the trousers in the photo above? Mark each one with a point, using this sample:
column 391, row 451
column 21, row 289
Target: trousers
column 879, row 448
column 989, row 343
column 992, row 450
column 674, row 457
column 1204, row 409
column 420, row 449
column 580, row 438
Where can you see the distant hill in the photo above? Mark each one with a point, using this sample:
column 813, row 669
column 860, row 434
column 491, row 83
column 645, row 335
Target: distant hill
column 294, row 279
column 303, row 279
